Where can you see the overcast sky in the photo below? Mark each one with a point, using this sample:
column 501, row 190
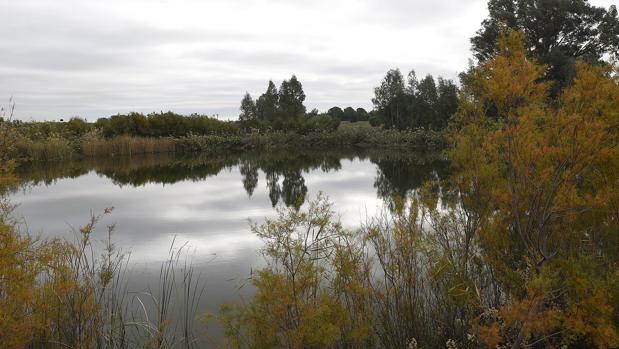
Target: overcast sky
column 97, row 58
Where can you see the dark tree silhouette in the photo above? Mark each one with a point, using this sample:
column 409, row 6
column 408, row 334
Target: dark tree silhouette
column 556, row 32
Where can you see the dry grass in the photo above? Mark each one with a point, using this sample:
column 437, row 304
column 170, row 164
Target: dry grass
column 127, row 146
column 54, row 148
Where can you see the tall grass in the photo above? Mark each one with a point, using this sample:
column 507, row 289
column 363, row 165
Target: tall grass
column 166, row 315
column 127, row 146
column 64, row 294
column 56, row 147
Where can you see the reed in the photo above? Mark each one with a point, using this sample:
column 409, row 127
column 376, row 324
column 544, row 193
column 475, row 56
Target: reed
column 127, row 146
column 92, row 144
column 54, row 148
column 62, row 294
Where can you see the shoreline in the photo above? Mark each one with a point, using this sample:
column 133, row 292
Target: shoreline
column 57, row 148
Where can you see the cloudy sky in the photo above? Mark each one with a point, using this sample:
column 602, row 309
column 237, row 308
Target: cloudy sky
column 96, row 58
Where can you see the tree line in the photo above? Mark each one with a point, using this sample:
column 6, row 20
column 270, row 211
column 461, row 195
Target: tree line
column 283, row 109
column 349, row 114
column 415, row 103
column 398, row 105
column 162, row 124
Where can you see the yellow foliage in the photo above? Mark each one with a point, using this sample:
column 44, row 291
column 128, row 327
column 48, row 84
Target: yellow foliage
column 548, row 172
column 312, row 294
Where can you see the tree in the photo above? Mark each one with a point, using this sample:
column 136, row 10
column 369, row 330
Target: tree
column 447, row 103
column 390, row 99
column 418, row 104
column 425, row 102
column 138, row 125
column 350, row 114
column 548, row 172
column 336, row 112
column 248, row 108
column 291, row 98
column 362, row 114
column 374, row 120
column 268, row 103
column 557, row 33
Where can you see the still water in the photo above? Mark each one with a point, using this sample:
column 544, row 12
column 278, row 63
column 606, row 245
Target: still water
column 205, row 203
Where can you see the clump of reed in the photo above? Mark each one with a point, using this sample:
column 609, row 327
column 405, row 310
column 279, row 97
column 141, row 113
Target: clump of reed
column 126, row 146
column 61, row 294
column 52, row 148
column 205, row 143
column 165, row 316
column 47, row 147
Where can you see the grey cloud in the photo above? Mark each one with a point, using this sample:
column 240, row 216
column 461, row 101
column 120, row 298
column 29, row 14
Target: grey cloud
column 401, row 13
column 71, row 58
column 266, row 57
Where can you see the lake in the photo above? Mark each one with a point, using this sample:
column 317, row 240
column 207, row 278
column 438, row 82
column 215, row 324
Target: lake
column 204, row 204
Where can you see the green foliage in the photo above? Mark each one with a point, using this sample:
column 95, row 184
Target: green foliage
column 8, row 138
column 78, row 126
column 283, row 110
column 291, row 97
column 361, row 115
column 390, row 99
column 320, row 123
column 557, row 33
column 349, row 114
column 419, row 104
column 374, row 120
column 268, row 103
column 248, row 109
column 166, row 124
column 337, row 113
column 277, row 109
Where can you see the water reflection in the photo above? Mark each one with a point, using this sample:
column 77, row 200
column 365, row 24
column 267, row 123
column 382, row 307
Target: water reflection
column 397, row 172
column 398, row 175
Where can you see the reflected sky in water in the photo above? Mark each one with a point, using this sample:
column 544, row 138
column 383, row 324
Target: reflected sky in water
column 211, row 215
column 205, row 203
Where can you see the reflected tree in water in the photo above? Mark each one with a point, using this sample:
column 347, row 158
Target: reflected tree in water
column 275, row 191
column 249, row 171
column 398, row 173
column 397, row 176
column 294, row 189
